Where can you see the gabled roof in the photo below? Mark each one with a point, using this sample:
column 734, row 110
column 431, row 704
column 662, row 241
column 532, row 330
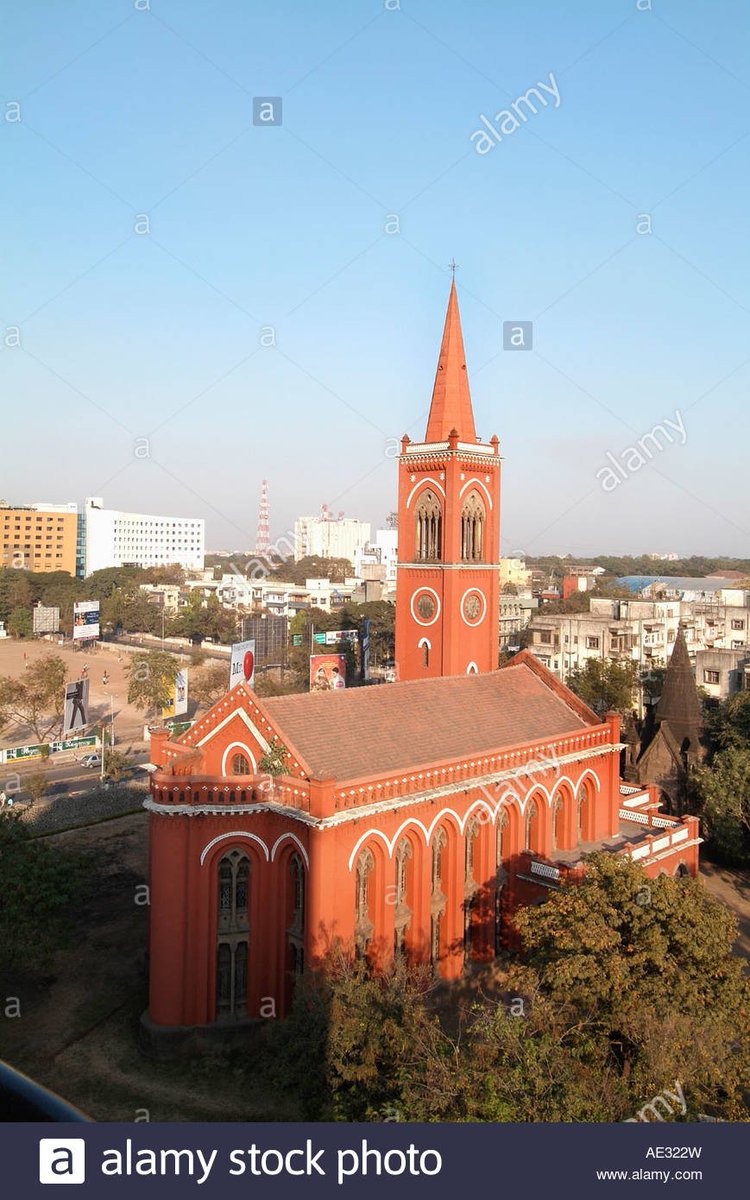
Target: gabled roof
column 353, row 733
column 451, row 401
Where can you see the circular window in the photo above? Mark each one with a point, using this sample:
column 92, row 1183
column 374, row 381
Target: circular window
column 473, row 607
column 425, row 606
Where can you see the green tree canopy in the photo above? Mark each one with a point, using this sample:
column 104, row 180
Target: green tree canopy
column 38, row 883
column 605, row 684
column 151, row 679
column 36, row 700
column 722, row 790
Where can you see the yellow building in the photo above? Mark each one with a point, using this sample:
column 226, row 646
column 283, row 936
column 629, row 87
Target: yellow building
column 39, row 538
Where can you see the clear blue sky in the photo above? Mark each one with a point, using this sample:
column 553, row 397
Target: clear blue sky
column 128, row 336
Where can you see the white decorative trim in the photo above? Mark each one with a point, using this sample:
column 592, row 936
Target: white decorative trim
column 246, row 750
column 477, row 448
column 399, row 802
column 419, row 621
column 425, row 641
column 236, row 712
column 293, row 838
column 472, row 668
column 427, row 479
column 235, row 833
column 479, row 483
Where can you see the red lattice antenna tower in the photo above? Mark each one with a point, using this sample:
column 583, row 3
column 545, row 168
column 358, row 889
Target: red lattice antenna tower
column 263, row 535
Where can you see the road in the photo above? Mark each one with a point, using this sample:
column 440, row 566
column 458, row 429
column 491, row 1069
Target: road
column 66, row 778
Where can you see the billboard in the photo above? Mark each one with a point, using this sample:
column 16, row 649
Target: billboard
column 242, row 664
column 334, row 636
column 327, row 672
column 85, row 619
column 177, row 705
column 76, row 710
column 45, row 619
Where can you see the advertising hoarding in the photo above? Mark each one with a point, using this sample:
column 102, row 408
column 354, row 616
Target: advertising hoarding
column 242, row 664
column 327, row 672
column 76, row 710
column 177, row 705
column 85, row 619
column 45, row 618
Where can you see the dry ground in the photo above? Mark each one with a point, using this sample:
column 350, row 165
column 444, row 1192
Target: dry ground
column 129, row 721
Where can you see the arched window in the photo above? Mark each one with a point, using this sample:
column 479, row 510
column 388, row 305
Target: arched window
column 532, row 827
column 425, row 653
column 296, row 928
column 240, row 765
column 363, row 926
column 438, row 897
column 428, row 533
column 501, row 850
column 472, row 529
column 557, row 822
column 403, row 912
column 233, row 931
column 583, row 814
column 470, row 884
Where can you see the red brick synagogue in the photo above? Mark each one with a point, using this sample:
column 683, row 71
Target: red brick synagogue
column 411, row 818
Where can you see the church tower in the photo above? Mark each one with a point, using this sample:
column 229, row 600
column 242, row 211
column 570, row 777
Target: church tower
column 448, row 531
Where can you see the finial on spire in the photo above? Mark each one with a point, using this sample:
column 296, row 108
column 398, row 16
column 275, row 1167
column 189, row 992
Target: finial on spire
column 453, row 265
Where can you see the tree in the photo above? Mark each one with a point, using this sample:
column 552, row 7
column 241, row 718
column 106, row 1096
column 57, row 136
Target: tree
column 649, row 966
column 35, row 701
column 210, row 683
column 20, row 623
column 151, row 679
column 723, row 794
column 273, row 760
column 39, row 884
column 604, row 684
column 116, row 764
column 36, row 785
column 728, row 724
column 313, row 567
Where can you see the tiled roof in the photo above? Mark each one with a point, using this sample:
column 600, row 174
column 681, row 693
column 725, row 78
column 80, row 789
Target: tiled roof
column 356, row 732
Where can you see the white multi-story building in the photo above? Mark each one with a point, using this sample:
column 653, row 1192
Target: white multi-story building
column 379, row 559
column 117, row 539
column 330, row 537
column 643, row 631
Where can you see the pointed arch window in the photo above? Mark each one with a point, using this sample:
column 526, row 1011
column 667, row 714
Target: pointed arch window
column 403, row 911
column 438, row 897
column 470, row 884
column 501, row 850
column 363, row 926
column 532, row 827
column 557, row 823
column 296, row 928
column 233, row 933
column 240, row 765
column 428, row 534
column 472, row 528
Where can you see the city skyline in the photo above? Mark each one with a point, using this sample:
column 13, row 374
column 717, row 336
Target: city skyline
column 184, row 319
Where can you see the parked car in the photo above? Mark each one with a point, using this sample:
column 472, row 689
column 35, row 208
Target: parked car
column 91, row 760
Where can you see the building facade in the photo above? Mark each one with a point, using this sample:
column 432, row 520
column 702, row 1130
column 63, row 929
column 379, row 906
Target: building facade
column 118, row 539
column 39, row 537
column 410, row 819
column 328, row 536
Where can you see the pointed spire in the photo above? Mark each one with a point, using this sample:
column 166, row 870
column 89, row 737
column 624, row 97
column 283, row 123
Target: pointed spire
column 678, row 704
column 451, row 400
